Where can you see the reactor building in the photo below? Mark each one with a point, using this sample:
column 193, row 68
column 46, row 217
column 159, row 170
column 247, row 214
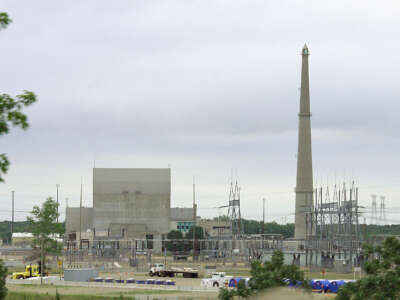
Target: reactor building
column 128, row 203
column 131, row 202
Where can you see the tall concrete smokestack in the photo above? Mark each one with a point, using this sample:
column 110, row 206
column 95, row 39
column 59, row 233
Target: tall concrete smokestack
column 304, row 180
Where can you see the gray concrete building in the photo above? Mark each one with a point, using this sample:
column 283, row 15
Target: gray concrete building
column 181, row 218
column 132, row 202
column 216, row 229
column 304, row 181
column 72, row 219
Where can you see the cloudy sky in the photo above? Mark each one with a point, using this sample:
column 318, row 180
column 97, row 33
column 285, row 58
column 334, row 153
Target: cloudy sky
column 205, row 87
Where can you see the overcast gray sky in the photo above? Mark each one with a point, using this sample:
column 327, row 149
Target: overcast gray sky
column 205, row 87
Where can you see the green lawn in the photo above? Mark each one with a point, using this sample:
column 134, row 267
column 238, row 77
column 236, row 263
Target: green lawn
column 34, row 296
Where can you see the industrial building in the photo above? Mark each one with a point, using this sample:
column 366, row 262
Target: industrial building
column 74, row 221
column 131, row 202
column 127, row 203
column 216, row 228
column 182, row 218
column 133, row 206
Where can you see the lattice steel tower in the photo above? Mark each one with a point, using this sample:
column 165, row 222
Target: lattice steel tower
column 234, row 210
column 374, row 212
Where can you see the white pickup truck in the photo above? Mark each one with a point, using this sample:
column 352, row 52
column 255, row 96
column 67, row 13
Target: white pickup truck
column 218, row 279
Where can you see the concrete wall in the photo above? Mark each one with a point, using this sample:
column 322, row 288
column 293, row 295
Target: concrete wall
column 80, row 274
column 135, row 199
column 72, row 219
column 182, row 213
column 215, row 228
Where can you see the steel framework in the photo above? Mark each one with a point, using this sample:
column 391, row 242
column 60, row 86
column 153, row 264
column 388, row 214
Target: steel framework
column 335, row 225
column 234, row 210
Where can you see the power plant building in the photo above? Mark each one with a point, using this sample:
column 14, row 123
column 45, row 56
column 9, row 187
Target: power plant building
column 182, row 219
column 132, row 202
column 74, row 221
column 127, row 203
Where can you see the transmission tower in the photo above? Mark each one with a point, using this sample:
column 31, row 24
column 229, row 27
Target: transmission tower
column 374, row 212
column 234, row 210
column 382, row 211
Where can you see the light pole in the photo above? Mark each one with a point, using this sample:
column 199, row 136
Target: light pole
column 12, row 215
column 57, row 200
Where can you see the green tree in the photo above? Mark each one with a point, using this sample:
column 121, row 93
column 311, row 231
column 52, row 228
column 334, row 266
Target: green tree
column 58, row 297
column 3, row 276
column 11, row 109
column 45, row 228
column 10, row 115
column 383, row 274
column 267, row 275
column 174, row 237
column 226, row 294
column 223, row 218
column 198, row 233
column 4, row 20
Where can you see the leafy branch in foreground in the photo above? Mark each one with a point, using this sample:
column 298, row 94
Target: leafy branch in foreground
column 383, row 274
column 4, row 20
column 11, row 115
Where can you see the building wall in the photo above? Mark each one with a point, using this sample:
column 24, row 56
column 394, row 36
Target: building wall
column 215, row 228
column 181, row 219
column 72, row 219
column 135, row 199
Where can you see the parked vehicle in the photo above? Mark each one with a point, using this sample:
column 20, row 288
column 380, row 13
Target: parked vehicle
column 30, row 271
column 218, row 279
column 156, row 269
column 162, row 271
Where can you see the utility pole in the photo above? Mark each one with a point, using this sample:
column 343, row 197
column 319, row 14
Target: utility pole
column 194, row 218
column 80, row 219
column 41, row 260
column 57, row 185
column 262, row 229
column 12, row 215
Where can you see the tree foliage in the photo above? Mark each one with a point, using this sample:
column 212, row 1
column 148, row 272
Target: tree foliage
column 10, row 114
column 18, row 226
column 198, row 233
column 174, row 235
column 3, row 276
column 265, row 276
column 44, row 226
column 178, row 242
column 383, row 274
column 4, row 20
column 11, row 109
column 254, row 227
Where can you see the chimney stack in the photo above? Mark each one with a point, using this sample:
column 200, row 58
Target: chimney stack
column 304, row 180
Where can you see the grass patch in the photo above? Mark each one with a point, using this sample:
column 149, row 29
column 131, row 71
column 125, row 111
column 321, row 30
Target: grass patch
column 35, row 296
column 329, row 275
column 145, row 292
column 41, row 286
